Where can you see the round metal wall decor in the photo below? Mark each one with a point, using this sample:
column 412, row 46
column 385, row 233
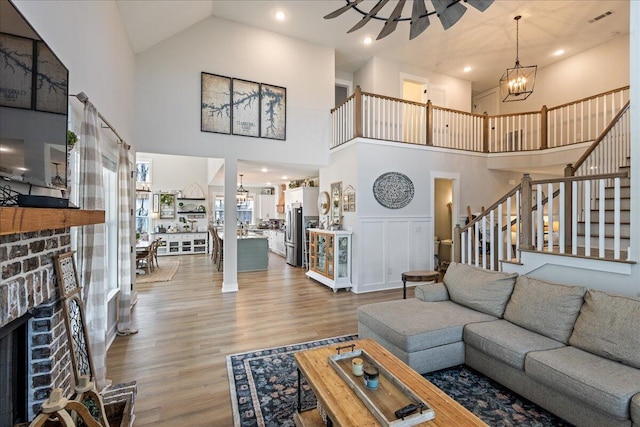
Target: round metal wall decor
column 393, row 190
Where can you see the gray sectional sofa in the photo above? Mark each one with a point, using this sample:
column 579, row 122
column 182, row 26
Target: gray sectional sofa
column 573, row 351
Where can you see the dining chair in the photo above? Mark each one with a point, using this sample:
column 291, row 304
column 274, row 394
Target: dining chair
column 142, row 259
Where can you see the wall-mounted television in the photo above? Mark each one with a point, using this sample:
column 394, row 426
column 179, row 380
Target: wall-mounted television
column 33, row 105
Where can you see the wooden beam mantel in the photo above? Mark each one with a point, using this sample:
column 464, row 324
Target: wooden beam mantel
column 21, row 220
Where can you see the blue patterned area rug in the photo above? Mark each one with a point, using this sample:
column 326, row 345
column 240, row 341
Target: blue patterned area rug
column 264, row 386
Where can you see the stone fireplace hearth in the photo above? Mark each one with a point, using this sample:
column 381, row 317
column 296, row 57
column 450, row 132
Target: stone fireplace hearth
column 28, row 293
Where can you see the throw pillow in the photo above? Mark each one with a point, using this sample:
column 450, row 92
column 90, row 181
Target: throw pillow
column 549, row 309
column 609, row 325
column 432, row 292
column 482, row 290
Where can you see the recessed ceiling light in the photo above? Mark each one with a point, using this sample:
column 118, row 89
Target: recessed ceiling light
column 280, row 16
column 285, row 177
column 268, row 183
column 467, row 69
column 264, row 170
column 559, row 52
column 367, row 40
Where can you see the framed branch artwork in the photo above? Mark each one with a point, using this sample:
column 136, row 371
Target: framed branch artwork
column 16, row 74
column 215, row 103
column 273, row 112
column 246, row 108
column 51, row 81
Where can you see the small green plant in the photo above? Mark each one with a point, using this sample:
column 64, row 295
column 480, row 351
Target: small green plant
column 72, row 138
column 166, row 199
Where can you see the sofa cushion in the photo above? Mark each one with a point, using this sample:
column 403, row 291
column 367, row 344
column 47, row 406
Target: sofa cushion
column 432, row 292
column 635, row 409
column 483, row 290
column 414, row 325
column 505, row 341
column 546, row 308
column 609, row 325
column 599, row 382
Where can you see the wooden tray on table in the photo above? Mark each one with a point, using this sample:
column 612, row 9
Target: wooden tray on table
column 390, row 395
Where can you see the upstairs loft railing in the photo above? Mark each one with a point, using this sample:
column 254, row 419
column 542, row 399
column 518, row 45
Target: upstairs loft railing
column 380, row 117
column 587, row 213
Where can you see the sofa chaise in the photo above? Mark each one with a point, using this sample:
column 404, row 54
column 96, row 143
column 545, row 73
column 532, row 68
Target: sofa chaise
column 573, row 351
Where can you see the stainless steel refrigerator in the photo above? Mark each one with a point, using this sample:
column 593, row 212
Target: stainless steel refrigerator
column 293, row 236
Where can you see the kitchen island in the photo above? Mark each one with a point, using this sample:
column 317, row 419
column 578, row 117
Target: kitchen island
column 252, row 252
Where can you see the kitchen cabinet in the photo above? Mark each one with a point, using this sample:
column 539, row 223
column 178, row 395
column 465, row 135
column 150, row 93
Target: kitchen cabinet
column 275, row 240
column 182, row 243
column 330, row 258
column 267, row 207
column 306, row 196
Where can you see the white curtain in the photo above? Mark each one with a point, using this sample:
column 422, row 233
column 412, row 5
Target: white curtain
column 125, row 224
column 91, row 242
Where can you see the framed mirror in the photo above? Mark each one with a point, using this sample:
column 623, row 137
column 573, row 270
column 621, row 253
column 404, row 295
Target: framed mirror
column 335, row 209
column 323, row 203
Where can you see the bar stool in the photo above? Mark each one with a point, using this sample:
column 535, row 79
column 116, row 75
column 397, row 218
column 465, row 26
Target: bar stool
column 418, row 276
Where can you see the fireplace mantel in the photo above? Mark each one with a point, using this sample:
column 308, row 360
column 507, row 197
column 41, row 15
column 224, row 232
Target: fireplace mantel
column 21, row 220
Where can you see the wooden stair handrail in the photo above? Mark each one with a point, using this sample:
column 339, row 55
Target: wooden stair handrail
column 601, row 137
column 492, row 207
column 589, row 98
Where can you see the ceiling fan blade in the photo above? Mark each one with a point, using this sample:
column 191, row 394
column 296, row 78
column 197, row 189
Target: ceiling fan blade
column 369, row 15
column 391, row 24
column 419, row 19
column 481, row 5
column 343, row 9
column 449, row 12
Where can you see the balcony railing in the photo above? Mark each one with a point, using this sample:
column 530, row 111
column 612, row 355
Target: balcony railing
column 380, row 117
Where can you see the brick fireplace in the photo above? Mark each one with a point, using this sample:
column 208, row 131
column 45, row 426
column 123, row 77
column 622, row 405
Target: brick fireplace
column 29, row 298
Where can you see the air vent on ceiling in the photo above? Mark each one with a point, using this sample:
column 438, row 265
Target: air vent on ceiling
column 599, row 17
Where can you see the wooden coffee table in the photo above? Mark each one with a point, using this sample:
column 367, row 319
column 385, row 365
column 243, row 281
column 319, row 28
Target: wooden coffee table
column 344, row 408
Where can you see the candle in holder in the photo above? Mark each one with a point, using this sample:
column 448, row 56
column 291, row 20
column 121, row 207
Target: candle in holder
column 371, row 374
column 357, row 366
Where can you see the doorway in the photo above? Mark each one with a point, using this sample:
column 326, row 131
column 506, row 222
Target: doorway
column 343, row 89
column 445, row 191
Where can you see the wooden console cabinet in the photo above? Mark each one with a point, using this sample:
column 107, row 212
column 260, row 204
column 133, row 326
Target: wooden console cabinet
column 330, row 258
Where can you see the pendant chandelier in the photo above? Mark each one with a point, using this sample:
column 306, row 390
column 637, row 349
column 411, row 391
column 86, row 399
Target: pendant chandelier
column 448, row 11
column 242, row 193
column 517, row 83
column 57, row 180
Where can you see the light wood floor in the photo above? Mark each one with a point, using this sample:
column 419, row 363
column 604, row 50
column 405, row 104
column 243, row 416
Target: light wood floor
column 187, row 327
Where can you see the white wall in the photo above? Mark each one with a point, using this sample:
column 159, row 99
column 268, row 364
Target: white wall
column 175, row 173
column 594, row 71
column 382, row 77
column 168, row 92
column 387, row 242
column 90, row 39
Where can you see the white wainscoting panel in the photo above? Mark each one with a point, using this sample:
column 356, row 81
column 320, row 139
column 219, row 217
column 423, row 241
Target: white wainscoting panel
column 389, row 246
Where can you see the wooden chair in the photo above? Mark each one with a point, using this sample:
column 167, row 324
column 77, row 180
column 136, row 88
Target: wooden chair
column 154, row 253
column 214, row 243
column 218, row 246
column 144, row 258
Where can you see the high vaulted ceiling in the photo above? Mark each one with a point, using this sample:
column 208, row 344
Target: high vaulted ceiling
column 484, row 41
